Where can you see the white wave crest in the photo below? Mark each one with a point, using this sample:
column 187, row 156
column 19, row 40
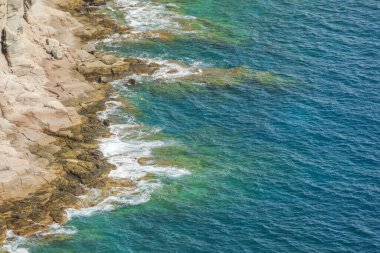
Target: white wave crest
column 13, row 243
column 145, row 16
column 123, row 149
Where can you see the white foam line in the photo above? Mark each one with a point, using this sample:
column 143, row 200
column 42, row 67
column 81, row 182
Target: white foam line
column 145, row 16
column 123, row 149
column 12, row 243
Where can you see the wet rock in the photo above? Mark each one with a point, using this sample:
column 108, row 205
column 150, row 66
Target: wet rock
column 145, row 161
column 171, row 6
column 131, row 82
column 138, row 66
column 173, row 71
column 107, row 122
column 120, row 69
column 59, row 216
column 96, row 2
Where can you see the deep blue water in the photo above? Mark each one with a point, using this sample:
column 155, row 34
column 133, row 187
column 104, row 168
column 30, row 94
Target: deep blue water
column 275, row 167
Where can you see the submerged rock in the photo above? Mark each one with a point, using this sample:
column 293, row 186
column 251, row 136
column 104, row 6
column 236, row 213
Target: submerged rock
column 145, row 161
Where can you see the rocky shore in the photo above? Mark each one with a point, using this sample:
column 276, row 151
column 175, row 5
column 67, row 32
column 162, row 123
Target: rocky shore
column 53, row 82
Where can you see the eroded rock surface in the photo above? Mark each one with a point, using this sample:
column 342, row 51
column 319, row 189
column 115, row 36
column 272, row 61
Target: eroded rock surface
column 48, row 123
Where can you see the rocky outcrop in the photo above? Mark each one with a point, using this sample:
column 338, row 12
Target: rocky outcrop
column 11, row 26
column 104, row 67
column 48, row 122
column 13, row 14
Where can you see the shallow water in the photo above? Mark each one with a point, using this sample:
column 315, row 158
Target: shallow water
column 257, row 165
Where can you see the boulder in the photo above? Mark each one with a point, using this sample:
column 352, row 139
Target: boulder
column 107, row 122
column 131, row 82
column 94, row 70
column 138, row 66
column 52, row 42
column 85, row 56
column 108, row 59
column 90, row 48
column 57, row 53
column 120, row 69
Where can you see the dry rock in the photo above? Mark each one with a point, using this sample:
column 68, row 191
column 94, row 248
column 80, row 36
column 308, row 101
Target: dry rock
column 90, row 48
column 57, row 53
column 108, row 59
column 52, row 42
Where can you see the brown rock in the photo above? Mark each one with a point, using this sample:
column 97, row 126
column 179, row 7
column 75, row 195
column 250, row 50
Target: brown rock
column 108, row 59
column 106, row 122
column 90, row 48
column 85, row 56
column 131, row 82
column 145, row 161
column 94, row 70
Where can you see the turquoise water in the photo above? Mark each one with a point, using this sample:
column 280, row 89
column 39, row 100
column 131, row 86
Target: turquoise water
column 286, row 164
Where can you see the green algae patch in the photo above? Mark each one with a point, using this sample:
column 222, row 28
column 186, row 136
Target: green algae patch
column 177, row 156
column 225, row 77
column 198, row 80
column 270, row 78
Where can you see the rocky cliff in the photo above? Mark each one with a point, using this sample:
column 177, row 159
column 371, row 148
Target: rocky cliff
column 32, row 93
column 12, row 17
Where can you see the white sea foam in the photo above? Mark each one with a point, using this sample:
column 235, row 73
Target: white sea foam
column 170, row 70
column 126, row 144
column 56, row 229
column 146, row 16
column 123, row 149
column 13, row 243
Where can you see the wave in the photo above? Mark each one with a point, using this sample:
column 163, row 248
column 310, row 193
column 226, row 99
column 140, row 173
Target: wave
column 148, row 19
column 15, row 244
column 126, row 148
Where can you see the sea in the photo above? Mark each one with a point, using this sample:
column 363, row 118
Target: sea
column 260, row 132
